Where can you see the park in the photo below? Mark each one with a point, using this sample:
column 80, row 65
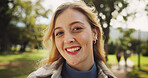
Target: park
column 23, row 24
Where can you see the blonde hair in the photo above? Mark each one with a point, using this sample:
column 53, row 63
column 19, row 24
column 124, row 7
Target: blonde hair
column 91, row 14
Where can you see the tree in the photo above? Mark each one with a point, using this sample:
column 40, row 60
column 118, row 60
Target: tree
column 144, row 48
column 24, row 12
column 112, row 47
column 105, row 9
column 5, row 18
column 28, row 13
column 134, row 45
column 146, row 9
column 125, row 40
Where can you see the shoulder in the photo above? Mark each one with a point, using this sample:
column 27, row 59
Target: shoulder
column 47, row 70
column 104, row 72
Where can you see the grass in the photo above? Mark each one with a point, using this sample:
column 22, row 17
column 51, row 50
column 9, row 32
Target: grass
column 143, row 71
column 112, row 60
column 136, row 72
column 143, row 59
column 20, row 65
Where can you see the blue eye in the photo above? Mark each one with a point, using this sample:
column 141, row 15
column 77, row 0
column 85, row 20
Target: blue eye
column 78, row 28
column 59, row 33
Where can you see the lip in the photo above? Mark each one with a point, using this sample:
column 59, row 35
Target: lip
column 71, row 47
column 72, row 53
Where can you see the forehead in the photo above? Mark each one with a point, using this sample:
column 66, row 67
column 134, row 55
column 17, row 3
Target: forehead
column 68, row 16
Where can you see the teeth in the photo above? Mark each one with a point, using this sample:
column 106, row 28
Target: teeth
column 73, row 49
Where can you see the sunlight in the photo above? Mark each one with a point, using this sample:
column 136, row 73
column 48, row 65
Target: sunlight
column 53, row 4
column 138, row 22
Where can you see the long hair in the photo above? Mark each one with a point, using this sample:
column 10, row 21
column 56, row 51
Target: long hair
column 91, row 14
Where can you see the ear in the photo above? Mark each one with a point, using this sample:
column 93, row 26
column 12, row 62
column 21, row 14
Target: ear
column 95, row 33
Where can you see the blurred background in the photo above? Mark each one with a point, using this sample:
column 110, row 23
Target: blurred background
column 124, row 22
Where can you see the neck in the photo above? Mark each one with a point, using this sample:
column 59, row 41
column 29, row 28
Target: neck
column 85, row 66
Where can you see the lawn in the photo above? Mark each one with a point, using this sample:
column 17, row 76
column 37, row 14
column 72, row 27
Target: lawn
column 143, row 71
column 136, row 72
column 20, row 65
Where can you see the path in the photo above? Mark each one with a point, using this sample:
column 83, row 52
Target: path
column 122, row 72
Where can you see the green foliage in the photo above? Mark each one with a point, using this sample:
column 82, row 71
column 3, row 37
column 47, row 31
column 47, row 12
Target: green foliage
column 146, row 9
column 29, row 13
column 26, row 13
column 111, row 47
column 144, row 48
column 124, row 42
column 139, row 46
column 134, row 45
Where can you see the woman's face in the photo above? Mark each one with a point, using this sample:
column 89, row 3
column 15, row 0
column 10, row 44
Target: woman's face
column 74, row 37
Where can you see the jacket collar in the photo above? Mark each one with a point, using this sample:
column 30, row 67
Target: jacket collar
column 54, row 70
column 103, row 71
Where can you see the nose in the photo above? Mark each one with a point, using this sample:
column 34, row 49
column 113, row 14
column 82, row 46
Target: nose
column 68, row 38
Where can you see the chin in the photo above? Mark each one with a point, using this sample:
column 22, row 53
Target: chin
column 73, row 62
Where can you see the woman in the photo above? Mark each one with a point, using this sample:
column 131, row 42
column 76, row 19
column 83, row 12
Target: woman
column 77, row 49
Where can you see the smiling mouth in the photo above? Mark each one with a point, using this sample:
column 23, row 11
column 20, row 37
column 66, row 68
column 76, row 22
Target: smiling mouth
column 73, row 49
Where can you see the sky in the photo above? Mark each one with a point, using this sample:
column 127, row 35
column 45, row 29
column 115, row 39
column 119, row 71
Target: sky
column 139, row 22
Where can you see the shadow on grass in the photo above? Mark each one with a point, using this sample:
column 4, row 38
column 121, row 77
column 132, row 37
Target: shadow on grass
column 133, row 74
column 18, row 68
column 138, row 73
column 146, row 71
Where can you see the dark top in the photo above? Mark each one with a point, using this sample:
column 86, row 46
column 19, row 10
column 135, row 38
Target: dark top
column 68, row 72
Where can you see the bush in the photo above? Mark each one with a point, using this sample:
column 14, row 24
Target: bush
column 111, row 48
column 144, row 48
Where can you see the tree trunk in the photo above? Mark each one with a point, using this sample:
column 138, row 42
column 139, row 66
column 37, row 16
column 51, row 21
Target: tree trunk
column 106, row 35
column 23, row 47
column 5, row 44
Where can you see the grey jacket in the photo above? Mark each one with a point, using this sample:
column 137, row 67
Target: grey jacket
column 54, row 71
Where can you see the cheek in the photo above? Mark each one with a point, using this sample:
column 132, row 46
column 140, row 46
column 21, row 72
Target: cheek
column 58, row 44
column 87, row 37
column 85, row 40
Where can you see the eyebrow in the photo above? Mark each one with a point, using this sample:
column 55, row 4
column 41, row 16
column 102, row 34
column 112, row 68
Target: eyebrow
column 75, row 22
column 57, row 28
